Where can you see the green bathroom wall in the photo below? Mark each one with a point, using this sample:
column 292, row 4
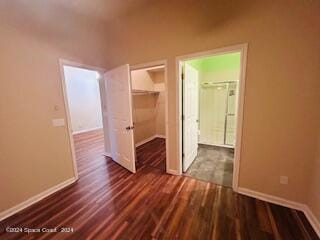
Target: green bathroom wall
column 217, row 63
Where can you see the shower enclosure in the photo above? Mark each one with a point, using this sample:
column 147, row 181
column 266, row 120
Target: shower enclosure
column 217, row 113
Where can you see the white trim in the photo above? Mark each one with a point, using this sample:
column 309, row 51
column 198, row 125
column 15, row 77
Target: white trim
column 165, row 64
column 239, row 115
column 270, row 198
column 216, row 145
column 160, row 136
column 242, row 48
column 286, row 203
column 67, row 114
column 145, row 141
column 87, row 130
column 173, row 172
column 105, row 118
column 148, row 65
column 315, row 223
column 149, row 139
column 107, row 154
column 64, row 62
column 13, row 210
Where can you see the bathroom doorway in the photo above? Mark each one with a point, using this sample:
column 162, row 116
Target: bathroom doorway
column 210, row 89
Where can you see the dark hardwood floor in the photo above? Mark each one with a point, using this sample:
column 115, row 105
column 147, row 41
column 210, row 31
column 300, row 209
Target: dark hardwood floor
column 108, row 202
column 152, row 154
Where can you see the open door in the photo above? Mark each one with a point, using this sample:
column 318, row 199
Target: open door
column 190, row 113
column 119, row 114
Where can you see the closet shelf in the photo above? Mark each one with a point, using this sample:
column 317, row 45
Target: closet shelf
column 143, row 92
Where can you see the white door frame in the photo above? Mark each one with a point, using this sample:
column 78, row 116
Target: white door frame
column 62, row 63
column 242, row 48
column 165, row 64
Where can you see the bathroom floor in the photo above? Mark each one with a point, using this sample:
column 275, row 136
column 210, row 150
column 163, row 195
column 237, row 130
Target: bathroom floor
column 213, row 164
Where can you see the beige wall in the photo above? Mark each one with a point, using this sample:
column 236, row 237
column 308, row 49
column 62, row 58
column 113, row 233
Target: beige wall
column 282, row 73
column 159, row 85
column 144, row 117
column 148, row 109
column 142, row 80
column 34, row 155
column 160, row 115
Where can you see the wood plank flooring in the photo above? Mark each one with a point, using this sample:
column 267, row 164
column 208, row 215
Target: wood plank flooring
column 108, row 202
column 152, row 154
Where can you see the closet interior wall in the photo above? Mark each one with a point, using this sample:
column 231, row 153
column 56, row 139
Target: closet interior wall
column 148, row 104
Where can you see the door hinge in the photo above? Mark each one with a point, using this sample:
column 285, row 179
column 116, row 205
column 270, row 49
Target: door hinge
column 182, row 117
column 182, row 75
column 182, row 155
column 129, row 128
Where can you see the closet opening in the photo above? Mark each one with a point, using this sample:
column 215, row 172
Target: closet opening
column 149, row 116
column 209, row 106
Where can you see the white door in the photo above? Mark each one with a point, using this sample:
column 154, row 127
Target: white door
column 190, row 112
column 119, row 113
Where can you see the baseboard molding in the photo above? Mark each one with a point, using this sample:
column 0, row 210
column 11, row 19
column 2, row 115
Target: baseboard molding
column 107, row 154
column 216, row 145
column 269, row 198
column 149, row 139
column 286, row 203
column 173, row 172
column 13, row 210
column 160, row 136
column 86, row 130
column 315, row 223
column 145, row 141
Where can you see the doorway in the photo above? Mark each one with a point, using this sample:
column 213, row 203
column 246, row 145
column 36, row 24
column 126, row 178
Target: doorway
column 123, row 101
column 211, row 105
column 136, row 112
column 83, row 103
column 149, row 115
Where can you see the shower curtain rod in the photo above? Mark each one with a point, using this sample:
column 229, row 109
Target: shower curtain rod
column 213, row 83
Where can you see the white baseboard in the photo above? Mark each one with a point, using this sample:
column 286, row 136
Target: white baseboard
column 269, row 198
column 160, row 136
column 286, row 203
column 145, row 141
column 13, row 210
column 315, row 223
column 216, row 145
column 149, row 139
column 173, row 172
column 86, row 130
column 107, row 154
